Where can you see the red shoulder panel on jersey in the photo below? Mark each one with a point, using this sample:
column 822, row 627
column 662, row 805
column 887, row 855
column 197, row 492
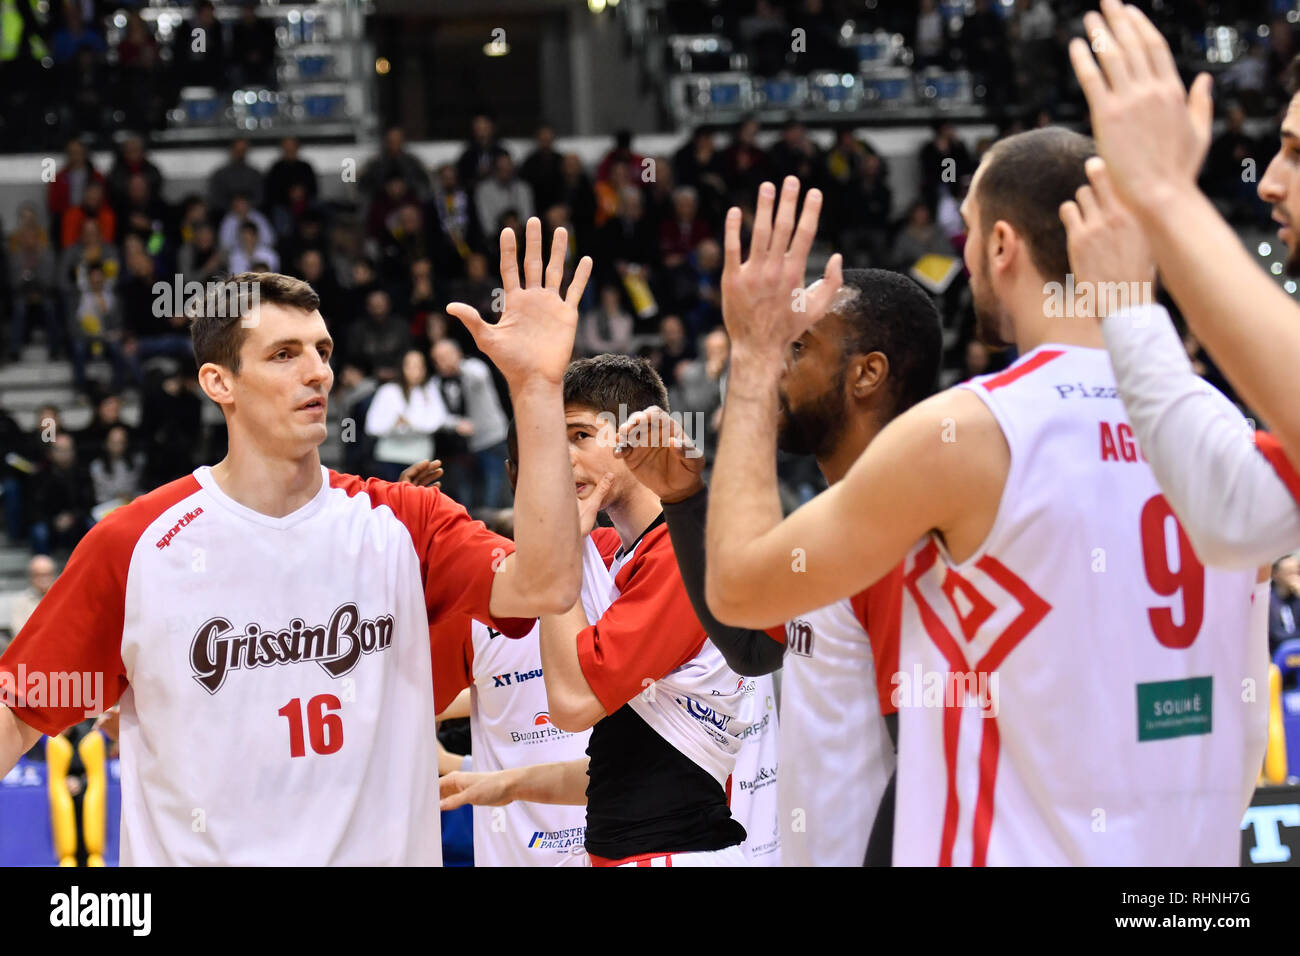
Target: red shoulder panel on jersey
column 458, row 555
column 451, row 652
column 650, row 630
column 607, row 542
column 1021, row 369
column 77, row 626
column 1271, row 449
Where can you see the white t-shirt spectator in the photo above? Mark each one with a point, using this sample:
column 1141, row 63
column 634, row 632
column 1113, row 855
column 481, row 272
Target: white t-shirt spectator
column 404, row 424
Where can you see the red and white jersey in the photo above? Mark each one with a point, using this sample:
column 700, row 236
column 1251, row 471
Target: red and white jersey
column 1072, row 693
column 510, row 727
column 836, row 754
column 273, row 673
column 754, row 781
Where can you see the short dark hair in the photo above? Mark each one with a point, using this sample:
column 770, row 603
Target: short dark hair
column 218, row 336
column 1026, row 178
column 605, row 382
column 893, row 315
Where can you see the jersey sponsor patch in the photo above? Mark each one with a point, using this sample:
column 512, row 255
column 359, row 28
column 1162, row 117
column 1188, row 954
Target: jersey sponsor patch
column 1175, row 708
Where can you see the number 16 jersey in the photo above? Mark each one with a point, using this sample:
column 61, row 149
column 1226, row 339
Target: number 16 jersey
column 1081, row 690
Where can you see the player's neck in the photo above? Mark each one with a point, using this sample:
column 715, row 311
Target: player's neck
column 858, row 433
column 1043, row 314
column 633, row 513
column 269, row 485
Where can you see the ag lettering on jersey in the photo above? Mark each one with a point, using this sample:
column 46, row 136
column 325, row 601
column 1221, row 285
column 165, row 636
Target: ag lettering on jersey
column 799, row 638
column 336, row 646
column 1118, row 443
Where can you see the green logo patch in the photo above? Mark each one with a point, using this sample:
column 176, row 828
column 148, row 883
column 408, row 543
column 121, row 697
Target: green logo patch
column 1175, row 708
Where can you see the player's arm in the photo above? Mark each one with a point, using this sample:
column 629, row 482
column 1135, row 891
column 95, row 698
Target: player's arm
column 1235, row 509
column 458, row 708
column 664, row 460
column 531, row 344
column 563, row 783
column 1154, row 136
column 16, row 738
column 763, row 570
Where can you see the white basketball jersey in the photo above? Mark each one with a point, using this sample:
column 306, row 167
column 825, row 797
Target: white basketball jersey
column 1073, row 693
column 836, row 755
column 754, row 781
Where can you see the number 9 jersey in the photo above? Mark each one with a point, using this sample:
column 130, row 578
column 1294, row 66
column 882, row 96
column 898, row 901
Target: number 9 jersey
column 1081, row 690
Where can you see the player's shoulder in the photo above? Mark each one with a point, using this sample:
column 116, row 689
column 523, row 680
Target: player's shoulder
column 401, row 497
column 122, row 527
column 941, row 425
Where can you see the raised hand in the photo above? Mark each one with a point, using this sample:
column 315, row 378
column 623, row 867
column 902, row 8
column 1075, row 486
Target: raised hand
column 1109, row 252
column 534, row 337
column 589, row 507
column 423, row 473
column 764, row 303
column 661, row 455
column 1153, row 134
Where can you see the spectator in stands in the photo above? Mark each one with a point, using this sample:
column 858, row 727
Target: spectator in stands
column 478, row 289
column 395, row 194
column 680, row 233
column 378, row 343
column 17, row 463
column 289, row 170
column 676, row 348
column 1234, row 155
column 988, row 54
column 108, row 415
column 234, row 177
column 193, row 211
column 76, row 34
column 821, row 41
column 93, row 206
column 97, row 329
column 628, row 241
column 170, row 416
column 499, row 193
column 422, row 305
column 608, row 327
column 744, row 165
column 32, row 284
column 69, row 186
column 481, row 151
column 61, row 500
column 116, row 472
column 130, row 161
column 405, row 242
column 403, row 417
column 143, row 215
column 75, row 260
column 48, row 424
column 701, row 385
column 541, row 170
column 253, row 46
column 300, row 227
column 150, row 333
column 313, row 269
column 202, row 257
column 241, row 212
column 250, row 250
column 765, row 36
column 920, row 236
column 702, row 305
column 1284, row 602
column 394, row 158
column 454, row 213
column 199, row 50
column 579, row 198
column 930, row 41
column 41, row 572
column 137, row 60
column 467, row 389
column 865, row 215
column 622, row 154
column 944, row 160
column 795, row 154
column 697, row 164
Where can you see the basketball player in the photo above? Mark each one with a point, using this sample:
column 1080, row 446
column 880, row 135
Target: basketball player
column 873, row 355
column 666, row 714
column 1239, row 509
column 1069, row 682
column 265, row 621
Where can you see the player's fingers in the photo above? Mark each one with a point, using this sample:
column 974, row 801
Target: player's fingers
column 1087, row 201
column 1158, row 54
column 762, row 236
column 509, row 260
column 532, row 253
column 1091, row 80
column 1106, row 48
column 602, row 488
column 1131, row 47
column 783, row 226
column 579, row 282
column 1071, row 217
column 559, row 251
column 1200, row 106
column 469, row 316
column 1103, row 187
column 807, row 229
column 731, row 241
column 822, row 293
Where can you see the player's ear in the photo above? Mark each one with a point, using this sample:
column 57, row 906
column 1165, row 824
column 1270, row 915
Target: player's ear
column 1002, row 246
column 217, row 383
column 867, row 374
